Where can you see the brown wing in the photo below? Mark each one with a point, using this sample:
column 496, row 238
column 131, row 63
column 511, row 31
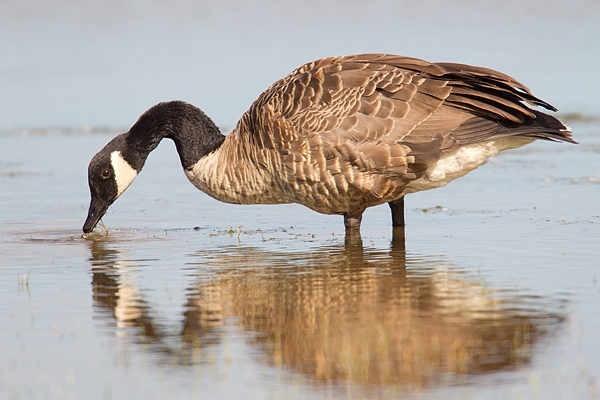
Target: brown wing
column 364, row 126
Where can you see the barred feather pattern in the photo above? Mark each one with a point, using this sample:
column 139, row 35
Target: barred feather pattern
column 342, row 134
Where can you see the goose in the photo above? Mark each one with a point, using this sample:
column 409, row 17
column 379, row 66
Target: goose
column 337, row 135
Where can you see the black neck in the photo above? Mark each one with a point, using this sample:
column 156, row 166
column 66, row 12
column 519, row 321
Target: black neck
column 194, row 133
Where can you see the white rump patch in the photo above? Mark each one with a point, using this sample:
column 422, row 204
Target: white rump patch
column 124, row 173
column 460, row 162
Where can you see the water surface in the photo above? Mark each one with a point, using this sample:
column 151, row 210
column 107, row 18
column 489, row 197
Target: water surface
column 492, row 291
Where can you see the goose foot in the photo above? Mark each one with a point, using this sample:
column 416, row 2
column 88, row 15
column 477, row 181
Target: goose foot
column 353, row 238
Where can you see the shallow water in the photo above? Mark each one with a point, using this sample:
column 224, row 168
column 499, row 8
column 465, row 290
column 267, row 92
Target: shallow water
column 492, row 293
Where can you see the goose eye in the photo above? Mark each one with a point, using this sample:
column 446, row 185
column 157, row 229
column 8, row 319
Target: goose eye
column 106, row 174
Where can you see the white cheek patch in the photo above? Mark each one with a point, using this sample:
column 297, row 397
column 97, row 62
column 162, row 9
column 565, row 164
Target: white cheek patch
column 124, row 173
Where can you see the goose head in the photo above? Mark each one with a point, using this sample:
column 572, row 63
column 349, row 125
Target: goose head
column 109, row 174
column 113, row 168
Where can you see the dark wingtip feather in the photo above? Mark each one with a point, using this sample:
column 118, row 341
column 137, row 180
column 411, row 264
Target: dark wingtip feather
column 553, row 128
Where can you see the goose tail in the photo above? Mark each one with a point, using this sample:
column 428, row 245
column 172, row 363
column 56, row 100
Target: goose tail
column 546, row 127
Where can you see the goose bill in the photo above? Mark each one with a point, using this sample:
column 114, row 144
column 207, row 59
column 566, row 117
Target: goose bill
column 95, row 213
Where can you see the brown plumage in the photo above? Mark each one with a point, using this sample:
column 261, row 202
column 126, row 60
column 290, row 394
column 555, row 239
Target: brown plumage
column 342, row 134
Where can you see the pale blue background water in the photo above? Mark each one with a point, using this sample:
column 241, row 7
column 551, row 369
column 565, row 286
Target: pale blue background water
column 98, row 63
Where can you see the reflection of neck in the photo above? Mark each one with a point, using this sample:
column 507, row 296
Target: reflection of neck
column 116, row 289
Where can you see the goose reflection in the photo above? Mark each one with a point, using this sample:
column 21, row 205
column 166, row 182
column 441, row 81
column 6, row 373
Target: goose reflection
column 126, row 310
column 343, row 312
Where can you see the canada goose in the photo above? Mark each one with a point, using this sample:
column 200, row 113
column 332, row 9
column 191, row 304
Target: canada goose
column 337, row 135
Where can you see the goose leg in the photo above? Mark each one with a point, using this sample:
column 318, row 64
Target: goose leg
column 352, row 223
column 398, row 249
column 397, row 207
column 353, row 244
